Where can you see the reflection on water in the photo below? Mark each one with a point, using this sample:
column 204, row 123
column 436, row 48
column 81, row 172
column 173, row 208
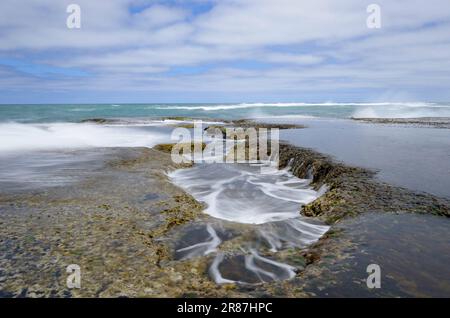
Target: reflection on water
column 411, row 157
column 413, row 252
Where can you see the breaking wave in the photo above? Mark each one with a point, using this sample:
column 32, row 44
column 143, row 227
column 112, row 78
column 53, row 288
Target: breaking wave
column 281, row 105
column 402, row 111
column 21, row 137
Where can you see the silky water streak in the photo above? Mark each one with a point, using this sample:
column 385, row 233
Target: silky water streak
column 266, row 200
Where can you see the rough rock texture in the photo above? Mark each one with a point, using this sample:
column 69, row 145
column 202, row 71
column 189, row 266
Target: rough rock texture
column 352, row 191
column 113, row 225
column 117, row 225
column 430, row 122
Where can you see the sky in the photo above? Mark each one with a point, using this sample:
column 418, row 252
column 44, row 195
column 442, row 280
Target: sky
column 137, row 51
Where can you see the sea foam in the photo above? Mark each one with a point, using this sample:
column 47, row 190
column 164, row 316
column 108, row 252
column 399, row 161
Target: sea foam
column 267, row 200
column 285, row 105
column 54, row 136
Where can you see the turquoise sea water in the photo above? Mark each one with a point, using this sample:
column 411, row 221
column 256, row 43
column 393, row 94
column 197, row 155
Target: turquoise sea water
column 76, row 112
column 47, row 146
column 413, row 157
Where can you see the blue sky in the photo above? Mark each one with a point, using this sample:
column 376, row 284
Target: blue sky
column 223, row 51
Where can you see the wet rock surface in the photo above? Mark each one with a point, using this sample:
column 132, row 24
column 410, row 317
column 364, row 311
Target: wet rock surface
column 125, row 227
column 108, row 226
column 353, row 191
column 431, row 122
column 403, row 232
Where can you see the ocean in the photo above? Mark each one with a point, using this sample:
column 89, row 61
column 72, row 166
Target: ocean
column 75, row 113
column 413, row 157
column 47, row 150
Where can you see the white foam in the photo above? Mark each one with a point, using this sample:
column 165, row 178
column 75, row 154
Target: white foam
column 403, row 111
column 203, row 248
column 137, row 122
column 271, row 201
column 22, row 137
column 282, row 105
column 245, row 195
column 215, row 273
column 287, row 271
column 280, row 271
column 294, row 232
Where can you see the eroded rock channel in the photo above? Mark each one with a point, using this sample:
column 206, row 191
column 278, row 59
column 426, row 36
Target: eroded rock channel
column 307, row 229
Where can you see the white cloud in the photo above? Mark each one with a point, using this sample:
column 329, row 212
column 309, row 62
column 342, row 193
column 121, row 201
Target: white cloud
column 308, row 45
column 303, row 59
column 158, row 15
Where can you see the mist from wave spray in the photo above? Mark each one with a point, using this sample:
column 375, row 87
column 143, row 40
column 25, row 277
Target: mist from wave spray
column 54, row 136
column 403, row 110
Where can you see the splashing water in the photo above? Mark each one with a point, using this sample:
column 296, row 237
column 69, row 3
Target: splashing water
column 29, row 137
column 266, row 200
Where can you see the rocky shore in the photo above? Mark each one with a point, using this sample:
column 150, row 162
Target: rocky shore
column 352, row 191
column 122, row 225
column 430, row 122
column 110, row 226
column 188, row 122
